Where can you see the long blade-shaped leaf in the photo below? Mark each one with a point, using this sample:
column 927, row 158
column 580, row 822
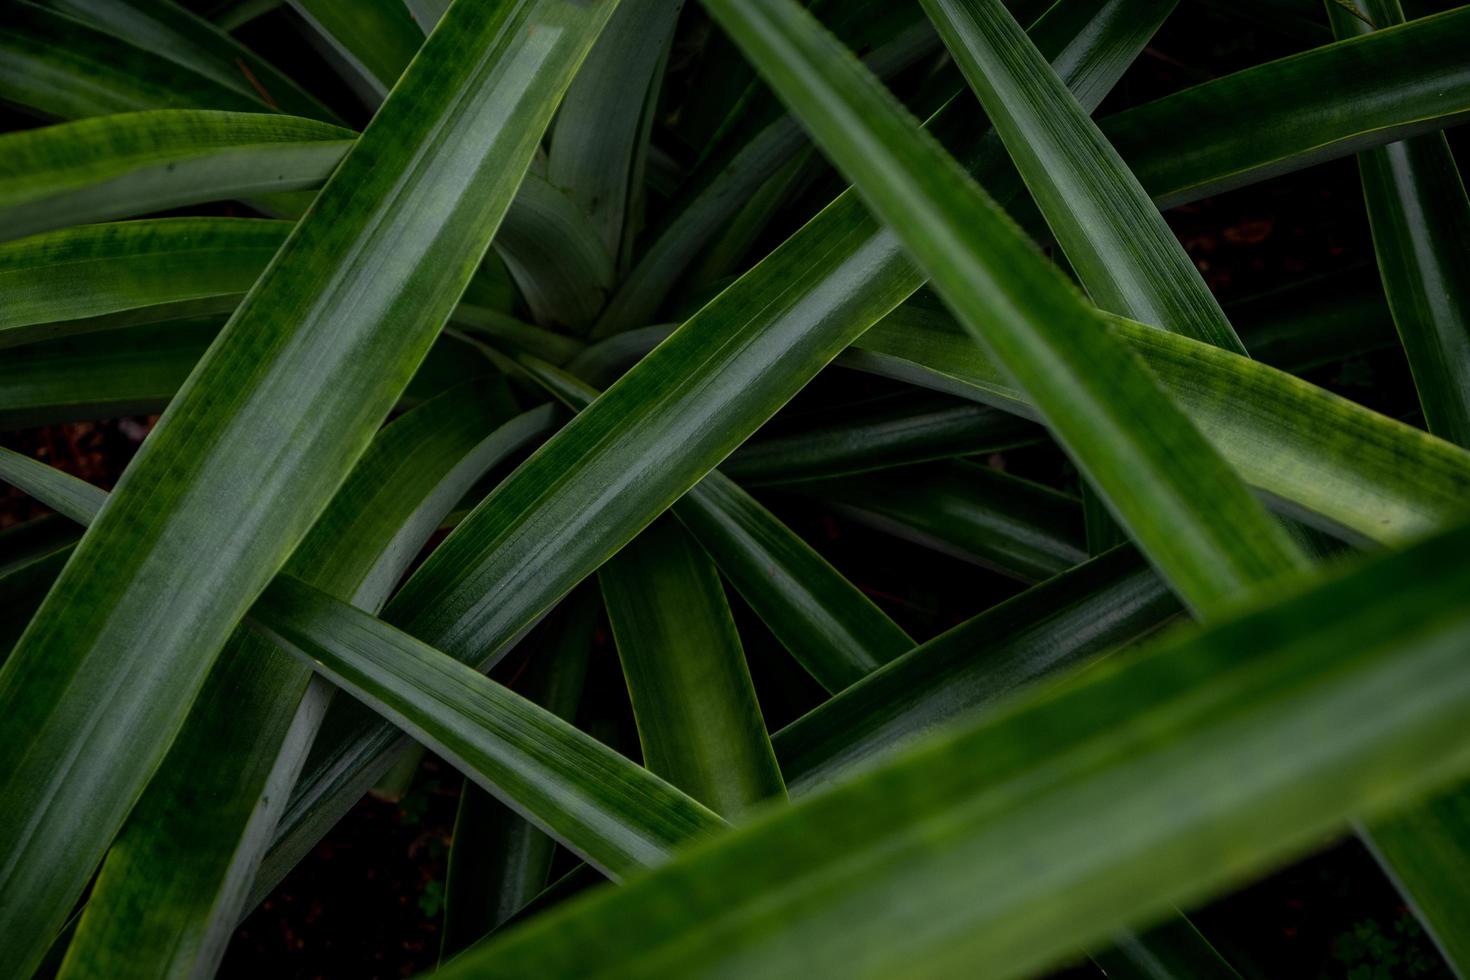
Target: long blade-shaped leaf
column 1096, row 607
column 173, row 33
column 1190, row 514
column 133, row 163
column 1123, row 253
column 498, row 861
column 1420, row 219
column 698, row 719
column 614, row 813
column 970, row 512
column 1323, row 459
column 601, row 134
column 847, row 439
column 669, row 421
column 1003, row 844
column 249, row 453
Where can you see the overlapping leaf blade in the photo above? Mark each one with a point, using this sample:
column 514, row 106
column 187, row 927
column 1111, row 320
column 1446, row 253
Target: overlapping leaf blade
column 265, row 430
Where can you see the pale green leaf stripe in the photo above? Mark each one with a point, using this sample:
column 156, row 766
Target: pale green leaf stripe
column 60, row 67
column 1320, row 458
column 133, row 163
column 612, row 812
column 251, row 450
column 967, row 511
column 1179, row 500
column 669, row 421
column 1329, row 705
column 173, row 33
column 1123, row 253
column 698, row 720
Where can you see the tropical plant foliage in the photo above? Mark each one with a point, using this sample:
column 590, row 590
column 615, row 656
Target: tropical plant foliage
column 607, row 290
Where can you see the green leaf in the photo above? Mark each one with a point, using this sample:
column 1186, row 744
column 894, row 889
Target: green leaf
column 967, row 511
column 555, row 255
column 1318, row 457
column 1117, row 243
column 375, row 38
column 181, row 902
column 1167, row 486
column 60, row 67
column 1239, row 130
column 601, row 134
column 1005, row 843
column 1103, row 604
column 1172, row 950
column 613, row 813
column 132, row 163
column 669, row 421
column 98, row 277
column 1421, row 220
column 137, row 370
column 499, row 862
column 66, row 495
column 888, row 432
column 764, row 140
column 173, row 33
column 834, row 631
column 698, row 720
column 249, row 453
